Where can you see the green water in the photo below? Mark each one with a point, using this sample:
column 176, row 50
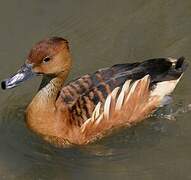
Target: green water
column 101, row 33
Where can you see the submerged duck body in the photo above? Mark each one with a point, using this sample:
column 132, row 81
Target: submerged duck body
column 91, row 106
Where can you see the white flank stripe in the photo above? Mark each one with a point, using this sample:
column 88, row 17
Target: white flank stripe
column 125, row 87
column 107, row 106
column 120, row 100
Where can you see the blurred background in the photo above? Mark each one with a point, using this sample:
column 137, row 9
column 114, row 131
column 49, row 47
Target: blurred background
column 101, row 33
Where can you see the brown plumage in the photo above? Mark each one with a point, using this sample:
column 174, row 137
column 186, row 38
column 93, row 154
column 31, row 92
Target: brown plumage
column 91, row 106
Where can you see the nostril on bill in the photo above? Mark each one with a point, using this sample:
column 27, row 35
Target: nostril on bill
column 3, row 85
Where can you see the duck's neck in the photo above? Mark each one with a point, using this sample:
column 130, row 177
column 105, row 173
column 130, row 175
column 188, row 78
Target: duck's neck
column 41, row 111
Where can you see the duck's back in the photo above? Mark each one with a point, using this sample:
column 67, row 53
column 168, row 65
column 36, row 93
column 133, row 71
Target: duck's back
column 83, row 94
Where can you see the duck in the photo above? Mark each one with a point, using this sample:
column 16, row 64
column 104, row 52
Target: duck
column 91, row 106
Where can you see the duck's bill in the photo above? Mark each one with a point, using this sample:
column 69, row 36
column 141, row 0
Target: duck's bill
column 24, row 73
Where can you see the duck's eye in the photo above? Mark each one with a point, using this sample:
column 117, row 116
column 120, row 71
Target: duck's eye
column 46, row 59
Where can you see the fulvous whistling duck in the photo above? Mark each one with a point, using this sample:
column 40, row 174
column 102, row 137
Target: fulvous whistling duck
column 89, row 107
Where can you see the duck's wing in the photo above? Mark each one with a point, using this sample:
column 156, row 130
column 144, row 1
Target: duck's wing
column 82, row 95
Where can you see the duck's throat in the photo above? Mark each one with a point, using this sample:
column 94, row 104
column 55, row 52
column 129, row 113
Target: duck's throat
column 46, row 80
column 50, row 88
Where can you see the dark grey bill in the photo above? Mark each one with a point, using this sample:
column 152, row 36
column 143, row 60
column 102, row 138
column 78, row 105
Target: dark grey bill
column 24, row 73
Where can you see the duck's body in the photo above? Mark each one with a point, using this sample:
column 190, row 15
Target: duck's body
column 92, row 105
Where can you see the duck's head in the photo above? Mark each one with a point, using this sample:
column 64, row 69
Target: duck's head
column 50, row 57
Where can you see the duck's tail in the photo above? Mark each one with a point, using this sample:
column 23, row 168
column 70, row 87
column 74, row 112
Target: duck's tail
column 159, row 69
column 163, row 84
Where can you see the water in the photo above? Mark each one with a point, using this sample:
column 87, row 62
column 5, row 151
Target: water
column 101, row 33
